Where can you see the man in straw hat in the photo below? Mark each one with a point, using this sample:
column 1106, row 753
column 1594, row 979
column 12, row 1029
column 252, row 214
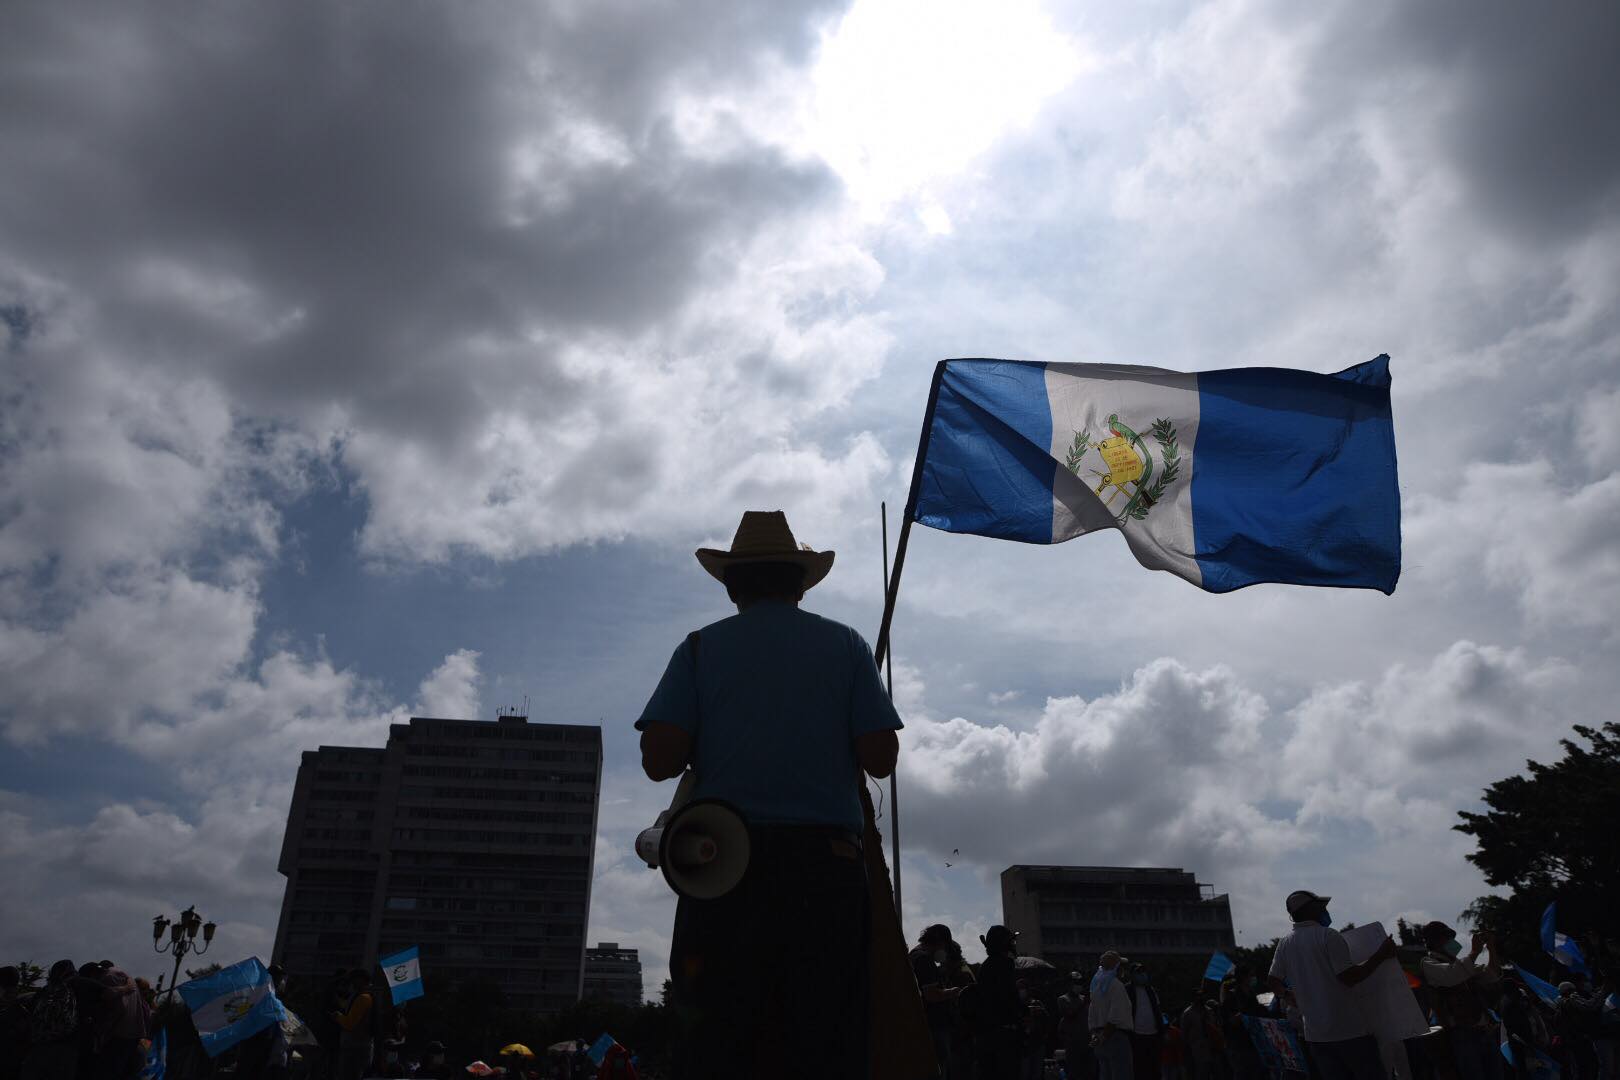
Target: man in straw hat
column 778, row 711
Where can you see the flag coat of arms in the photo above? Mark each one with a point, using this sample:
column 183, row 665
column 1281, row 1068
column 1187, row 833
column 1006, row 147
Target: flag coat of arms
column 1225, row 478
column 232, row 1004
column 404, row 971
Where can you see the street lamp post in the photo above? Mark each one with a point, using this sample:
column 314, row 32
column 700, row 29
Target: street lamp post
column 182, row 939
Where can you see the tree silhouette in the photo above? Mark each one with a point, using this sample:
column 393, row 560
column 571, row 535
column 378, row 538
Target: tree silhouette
column 1547, row 836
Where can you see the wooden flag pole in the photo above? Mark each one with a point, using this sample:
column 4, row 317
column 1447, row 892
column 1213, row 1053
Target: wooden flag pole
column 901, row 1047
column 881, row 652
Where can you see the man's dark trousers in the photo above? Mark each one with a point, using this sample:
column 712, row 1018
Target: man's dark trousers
column 1349, row 1059
column 772, row 979
column 1145, row 1053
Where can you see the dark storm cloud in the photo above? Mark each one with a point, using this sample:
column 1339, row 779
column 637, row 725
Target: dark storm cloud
column 356, row 176
column 1522, row 99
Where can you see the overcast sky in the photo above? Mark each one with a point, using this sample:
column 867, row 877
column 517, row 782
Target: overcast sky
column 379, row 359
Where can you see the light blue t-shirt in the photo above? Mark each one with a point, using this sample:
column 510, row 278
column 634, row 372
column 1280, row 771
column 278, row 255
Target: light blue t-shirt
column 774, row 702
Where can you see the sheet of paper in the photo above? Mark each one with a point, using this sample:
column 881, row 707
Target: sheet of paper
column 1384, row 997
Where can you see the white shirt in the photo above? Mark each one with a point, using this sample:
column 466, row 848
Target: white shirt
column 1145, row 1022
column 1309, row 960
column 1111, row 1005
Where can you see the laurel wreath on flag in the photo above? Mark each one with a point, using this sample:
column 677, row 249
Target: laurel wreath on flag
column 1082, row 443
column 1164, row 432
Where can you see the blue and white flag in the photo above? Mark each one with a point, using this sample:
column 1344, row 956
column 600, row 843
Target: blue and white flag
column 1560, row 947
column 1539, row 1066
column 404, row 972
column 599, row 1049
column 231, row 1004
column 156, row 1059
column 1219, row 965
column 1544, row 990
column 1225, row 478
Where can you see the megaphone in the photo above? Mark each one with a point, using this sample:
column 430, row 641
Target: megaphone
column 701, row 845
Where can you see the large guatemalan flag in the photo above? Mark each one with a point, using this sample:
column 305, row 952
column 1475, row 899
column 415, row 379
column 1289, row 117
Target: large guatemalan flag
column 232, row 1004
column 1225, row 478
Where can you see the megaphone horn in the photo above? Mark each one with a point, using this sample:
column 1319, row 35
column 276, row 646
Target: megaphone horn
column 704, row 849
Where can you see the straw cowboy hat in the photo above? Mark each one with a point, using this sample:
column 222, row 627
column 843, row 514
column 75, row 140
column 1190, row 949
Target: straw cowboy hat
column 763, row 536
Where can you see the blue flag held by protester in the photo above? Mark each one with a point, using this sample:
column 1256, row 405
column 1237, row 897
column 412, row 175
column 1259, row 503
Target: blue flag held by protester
column 1219, row 965
column 1543, row 989
column 156, row 1059
column 232, row 1004
column 1224, row 478
column 1560, row 947
column 404, row 972
column 599, row 1049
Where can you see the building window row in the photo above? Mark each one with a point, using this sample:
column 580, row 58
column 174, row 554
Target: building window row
column 499, row 753
column 519, row 794
column 479, row 813
column 492, row 836
column 1104, row 939
column 336, row 854
column 487, row 907
column 560, row 864
column 469, row 772
column 331, row 833
column 1125, row 913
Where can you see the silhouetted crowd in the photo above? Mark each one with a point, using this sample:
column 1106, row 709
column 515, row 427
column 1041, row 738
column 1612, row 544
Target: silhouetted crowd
column 1014, row 1017
column 86, row 1023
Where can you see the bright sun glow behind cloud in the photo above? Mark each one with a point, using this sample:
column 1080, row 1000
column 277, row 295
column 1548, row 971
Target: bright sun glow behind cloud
column 907, row 92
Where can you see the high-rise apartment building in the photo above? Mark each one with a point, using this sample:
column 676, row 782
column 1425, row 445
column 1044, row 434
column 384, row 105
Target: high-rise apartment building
column 471, row 839
column 1069, row 915
column 613, row 974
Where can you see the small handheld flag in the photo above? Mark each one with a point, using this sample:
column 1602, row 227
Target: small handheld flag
column 1544, row 990
column 1224, row 478
column 231, row 1004
column 599, row 1049
column 1561, row 947
column 1219, row 965
column 404, row 972
column 156, row 1059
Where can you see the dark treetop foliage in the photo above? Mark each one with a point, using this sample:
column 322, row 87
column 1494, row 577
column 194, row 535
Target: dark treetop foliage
column 1549, row 836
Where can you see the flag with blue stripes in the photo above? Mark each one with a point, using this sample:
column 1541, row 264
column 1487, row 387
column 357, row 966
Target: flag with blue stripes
column 1543, row 989
column 231, row 1004
column 1225, row 478
column 156, row 1059
column 599, row 1049
column 1219, row 965
column 404, row 972
column 1561, row 947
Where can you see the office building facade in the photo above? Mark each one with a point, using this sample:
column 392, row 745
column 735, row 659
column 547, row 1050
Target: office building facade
column 613, row 974
column 1070, row 915
column 474, row 840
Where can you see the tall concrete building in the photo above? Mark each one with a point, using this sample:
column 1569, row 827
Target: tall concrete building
column 1069, row 915
column 613, row 974
column 471, row 839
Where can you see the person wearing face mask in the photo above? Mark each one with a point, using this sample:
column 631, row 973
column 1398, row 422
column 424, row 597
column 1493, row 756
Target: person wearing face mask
column 1312, row 967
column 1109, row 1017
column 1147, row 1028
column 931, row 963
column 1459, row 990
